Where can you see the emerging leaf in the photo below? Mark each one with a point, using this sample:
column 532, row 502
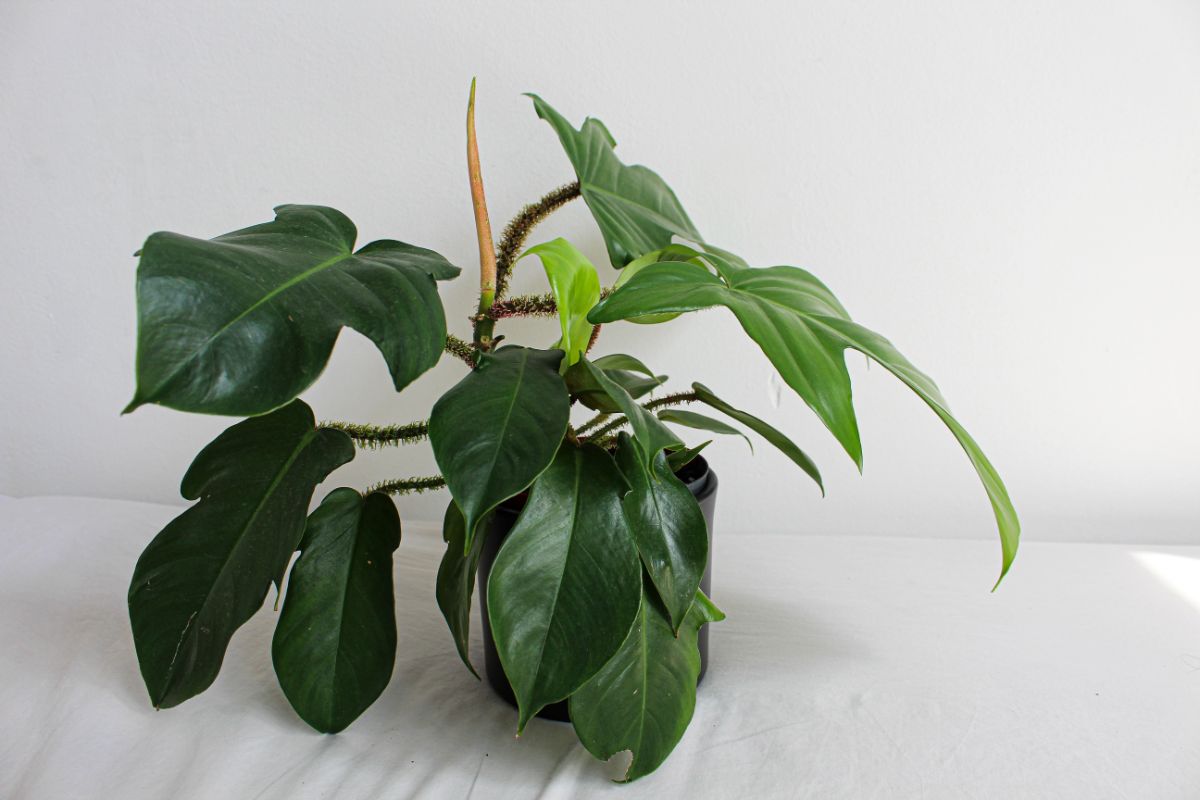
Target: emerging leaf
column 335, row 643
column 209, row 570
column 245, row 322
column 576, row 288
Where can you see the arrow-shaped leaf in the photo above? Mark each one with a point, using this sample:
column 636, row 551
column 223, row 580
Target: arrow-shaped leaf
column 243, row 323
column 335, row 642
column 644, row 697
column 576, row 288
column 668, row 528
column 499, row 427
column 564, row 589
column 209, row 570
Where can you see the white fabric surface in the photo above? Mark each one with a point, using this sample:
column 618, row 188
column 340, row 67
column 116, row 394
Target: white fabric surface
column 848, row 667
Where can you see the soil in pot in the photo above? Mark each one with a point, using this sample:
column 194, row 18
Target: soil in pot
column 696, row 475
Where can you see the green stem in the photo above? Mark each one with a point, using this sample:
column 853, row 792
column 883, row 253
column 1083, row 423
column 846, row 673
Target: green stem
column 599, row 419
column 409, row 485
column 462, row 350
column 370, row 437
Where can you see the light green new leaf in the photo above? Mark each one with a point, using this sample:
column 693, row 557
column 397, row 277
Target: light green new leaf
column 763, row 429
column 690, row 419
column 456, row 580
column 243, row 323
column 644, row 697
column 564, row 589
column 650, row 434
column 636, row 211
column 209, row 570
column 335, row 643
column 668, row 528
column 499, row 427
column 804, row 331
column 576, row 288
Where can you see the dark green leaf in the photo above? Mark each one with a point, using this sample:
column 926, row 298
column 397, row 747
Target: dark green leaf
column 691, row 419
column 576, row 288
column 644, row 697
column 775, row 437
column 588, row 391
column 668, row 528
column 456, row 580
column 243, row 323
column 636, row 211
column 678, row 459
column 620, row 361
column 564, row 589
column 499, row 427
column 804, row 331
column 335, row 642
column 650, row 434
column 209, row 570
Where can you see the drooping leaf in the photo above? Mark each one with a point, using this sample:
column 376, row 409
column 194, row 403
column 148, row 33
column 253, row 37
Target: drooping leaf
column 804, row 331
column 650, row 434
column 335, row 642
column 499, row 427
column 243, row 323
column 623, row 362
column 680, row 458
column 636, row 211
column 564, row 589
column 456, row 580
column 576, row 288
column 763, row 429
column 668, row 528
column 700, row 422
column 209, row 570
column 588, row 391
column 644, row 697
column 674, row 252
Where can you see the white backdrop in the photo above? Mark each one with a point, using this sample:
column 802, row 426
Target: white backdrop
column 1010, row 191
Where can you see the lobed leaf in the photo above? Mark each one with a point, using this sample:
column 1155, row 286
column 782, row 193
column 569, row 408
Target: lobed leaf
column 209, row 570
column 245, row 322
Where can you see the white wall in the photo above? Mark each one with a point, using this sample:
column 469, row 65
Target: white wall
column 1008, row 190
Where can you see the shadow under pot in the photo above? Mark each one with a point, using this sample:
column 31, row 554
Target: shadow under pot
column 696, row 475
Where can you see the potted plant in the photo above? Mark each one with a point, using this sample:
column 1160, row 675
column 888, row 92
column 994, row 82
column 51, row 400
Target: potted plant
column 594, row 543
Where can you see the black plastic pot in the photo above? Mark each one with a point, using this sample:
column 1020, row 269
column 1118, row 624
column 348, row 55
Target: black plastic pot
column 696, row 476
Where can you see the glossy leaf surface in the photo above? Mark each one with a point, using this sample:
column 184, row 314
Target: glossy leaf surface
column 335, row 642
column 650, row 434
column 566, row 583
column 679, row 458
column 456, row 580
column 644, row 698
column 499, row 427
column 209, row 570
column 245, row 322
column 804, row 331
column 668, row 528
column 576, row 288
column 636, row 211
column 587, row 390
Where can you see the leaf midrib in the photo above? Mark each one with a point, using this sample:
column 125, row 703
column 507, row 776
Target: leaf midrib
column 307, row 439
column 271, row 295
